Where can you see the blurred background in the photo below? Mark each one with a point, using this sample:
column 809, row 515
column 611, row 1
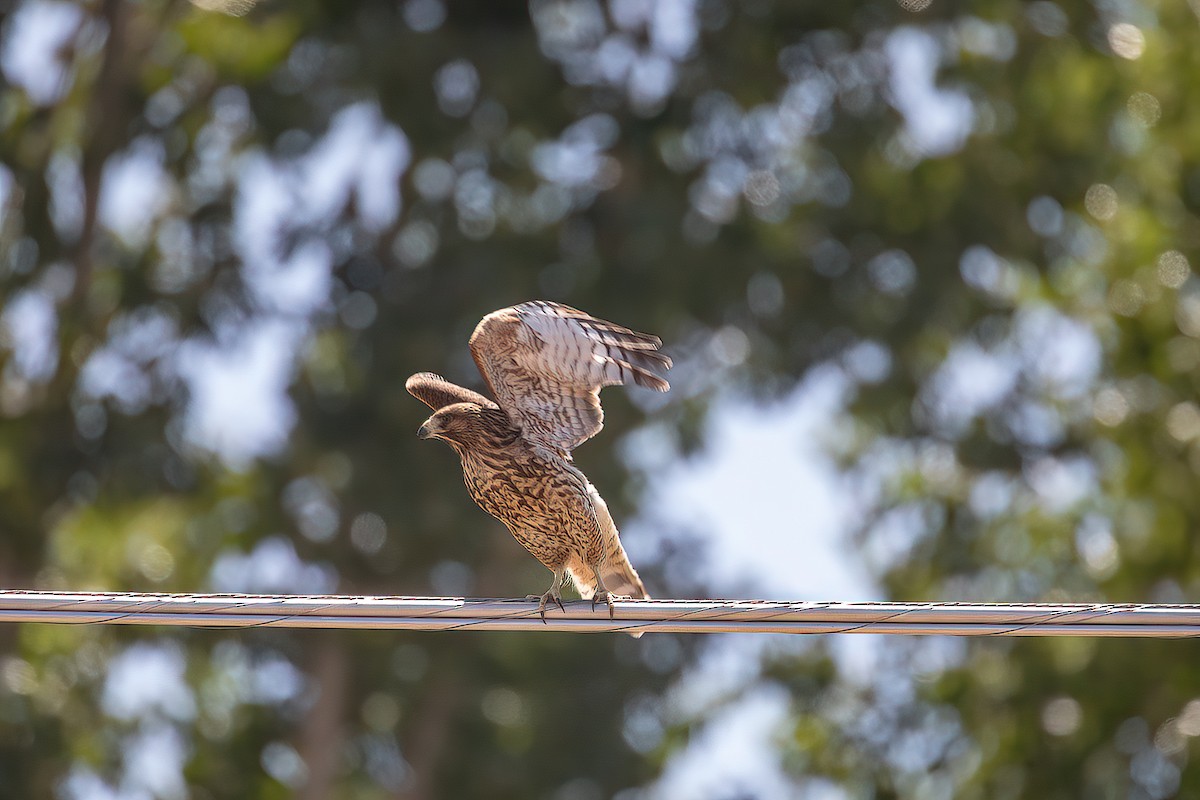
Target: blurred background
column 926, row 273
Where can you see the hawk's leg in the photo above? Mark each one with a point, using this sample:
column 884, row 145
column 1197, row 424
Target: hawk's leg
column 602, row 592
column 552, row 593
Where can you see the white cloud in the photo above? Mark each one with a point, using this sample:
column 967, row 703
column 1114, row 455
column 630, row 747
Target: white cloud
column 30, row 56
column 937, row 120
column 134, row 191
column 154, row 762
column 775, row 506
column 273, row 567
column 238, row 405
column 29, row 327
column 148, row 680
column 733, row 754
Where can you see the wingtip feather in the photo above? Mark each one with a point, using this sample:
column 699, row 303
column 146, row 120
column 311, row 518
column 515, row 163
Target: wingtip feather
column 650, row 381
column 417, row 378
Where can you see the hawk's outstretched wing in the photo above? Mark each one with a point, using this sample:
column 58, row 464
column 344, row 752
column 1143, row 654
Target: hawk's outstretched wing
column 546, row 363
column 437, row 392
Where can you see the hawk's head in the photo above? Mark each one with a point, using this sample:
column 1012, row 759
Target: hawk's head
column 462, row 423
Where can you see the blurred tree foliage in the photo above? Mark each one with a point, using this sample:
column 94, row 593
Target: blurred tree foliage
column 225, row 241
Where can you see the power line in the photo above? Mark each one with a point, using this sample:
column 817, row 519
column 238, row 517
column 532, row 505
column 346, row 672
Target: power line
column 667, row 616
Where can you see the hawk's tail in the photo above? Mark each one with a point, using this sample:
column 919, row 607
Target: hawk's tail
column 620, row 578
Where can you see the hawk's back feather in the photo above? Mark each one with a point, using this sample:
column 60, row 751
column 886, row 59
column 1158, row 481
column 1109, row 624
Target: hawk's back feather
column 546, row 363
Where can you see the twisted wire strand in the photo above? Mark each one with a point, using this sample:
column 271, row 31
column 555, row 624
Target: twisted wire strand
column 666, row 616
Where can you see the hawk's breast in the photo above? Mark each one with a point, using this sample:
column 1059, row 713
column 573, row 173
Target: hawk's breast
column 541, row 499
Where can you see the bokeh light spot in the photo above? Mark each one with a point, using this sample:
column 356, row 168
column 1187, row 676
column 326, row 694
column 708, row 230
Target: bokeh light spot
column 1173, row 269
column 1101, row 201
column 1062, row 716
column 1127, row 40
column 1183, row 421
column 1145, row 108
column 1110, row 407
column 1126, row 298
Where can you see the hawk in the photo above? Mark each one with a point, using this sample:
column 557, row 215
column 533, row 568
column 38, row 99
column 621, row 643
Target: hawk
column 545, row 364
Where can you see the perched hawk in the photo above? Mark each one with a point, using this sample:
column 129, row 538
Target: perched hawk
column 545, row 364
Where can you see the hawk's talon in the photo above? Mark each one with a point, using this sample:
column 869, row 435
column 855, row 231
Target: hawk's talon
column 543, row 599
column 607, row 597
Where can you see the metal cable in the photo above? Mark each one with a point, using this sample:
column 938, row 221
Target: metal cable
column 668, row 616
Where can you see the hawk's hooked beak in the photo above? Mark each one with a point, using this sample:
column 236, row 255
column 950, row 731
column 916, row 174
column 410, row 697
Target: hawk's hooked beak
column 425, row 431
